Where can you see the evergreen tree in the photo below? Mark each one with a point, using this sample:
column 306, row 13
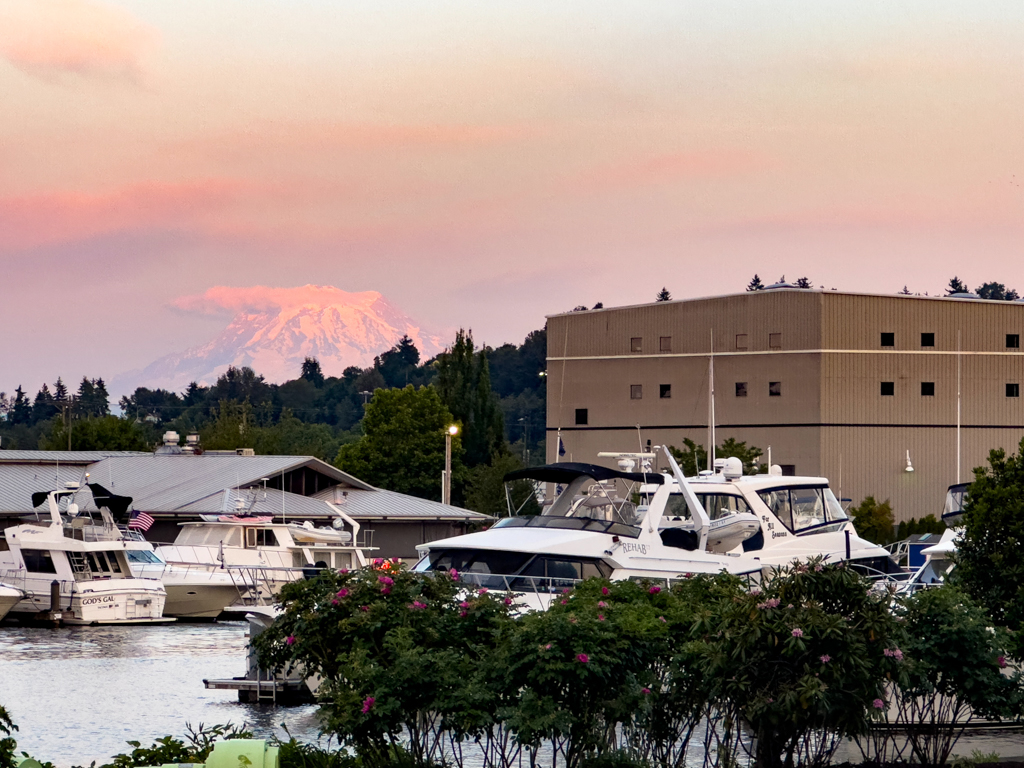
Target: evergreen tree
column 21, row 410
column 43, row 407
column 399, row 363
column 956, row 286
column 311, row 372
column 804, row 282
column 60, row 392
column 755, row 284
column 599, row 305
column 905, row 291
column 663, row 295
column 194, row 395
column 995, row 292
column 874, row 521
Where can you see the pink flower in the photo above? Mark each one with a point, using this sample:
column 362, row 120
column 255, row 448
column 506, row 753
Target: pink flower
column 464, row 604
column 662, row 620
column 334, row 601
column 771, row 603
column 817, row 568
column 645, row 691
column 508, row 601
column 826, row 659
column 894, row 653
column 364, row 607
column 582, row 658
column 342, row 593
column 797, row 632
column 368, row 703
column 482, row 591
column 654, row 590
column 605, row 591
column 343, row 570
column 290, row 640
column 547, row 647
column 454, row 574
column 463, row 614
column 602, row 604
column 1001, row 661
column 755, row 591
column 877, row 703
column 566, row 591
column 565, row 602
column 416, row 605
column 385, row 590
column 600, row 617
column 378, row 561
column 386, row 580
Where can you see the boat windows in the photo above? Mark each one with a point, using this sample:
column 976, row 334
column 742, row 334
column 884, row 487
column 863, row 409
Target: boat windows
column 260, row 537
column 720, row 504
column 143, row 557
column 802, row 508
column 38, row 561
column 522, row 571
column 570, row 523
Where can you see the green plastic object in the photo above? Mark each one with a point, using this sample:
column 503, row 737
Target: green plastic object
column 234, row 753
column 27, row 762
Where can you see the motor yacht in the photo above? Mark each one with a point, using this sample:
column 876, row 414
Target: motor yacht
column 261, row 555
column 68, row 576
column 661, row 528
column 9, row 597
column 953, row 508
column 938, row 562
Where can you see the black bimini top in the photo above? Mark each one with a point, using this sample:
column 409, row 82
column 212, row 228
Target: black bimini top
column 567, row 471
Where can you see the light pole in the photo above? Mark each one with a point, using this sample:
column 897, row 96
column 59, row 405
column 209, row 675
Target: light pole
column 446, row 476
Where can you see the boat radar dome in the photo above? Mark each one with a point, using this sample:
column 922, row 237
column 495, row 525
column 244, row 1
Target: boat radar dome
column 732, row 468
column 775, row 470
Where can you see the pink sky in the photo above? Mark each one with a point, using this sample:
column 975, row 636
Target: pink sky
column 486, row 164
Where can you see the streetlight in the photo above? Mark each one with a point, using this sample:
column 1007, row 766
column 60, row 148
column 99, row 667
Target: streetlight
column 446, row 476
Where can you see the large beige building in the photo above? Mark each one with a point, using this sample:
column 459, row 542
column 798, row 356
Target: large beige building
column 837, row 384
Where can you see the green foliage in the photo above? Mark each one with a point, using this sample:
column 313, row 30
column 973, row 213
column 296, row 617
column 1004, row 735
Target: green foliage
column 874, row 521
column 194, row 748
column 101, row 433
column 7, row 742
column 801, row 660
column 953, row 672
column 399, row 654
column 804, row 282
column 755, row 284
column 663, row 295
column 403, row 443
column 485, row 489
column 956, row 285
column 464, row 384
column 693, row 458
column 927, row 524
column 989, row 563
column 995, row 292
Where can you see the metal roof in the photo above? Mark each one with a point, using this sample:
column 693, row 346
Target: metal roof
column 61, row 457
column 193, row 485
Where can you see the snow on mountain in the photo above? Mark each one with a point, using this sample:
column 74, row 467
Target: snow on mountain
column 274, row 329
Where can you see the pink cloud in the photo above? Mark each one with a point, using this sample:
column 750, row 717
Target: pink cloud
column 669, row 168
column 261, row 298
column 84, row 37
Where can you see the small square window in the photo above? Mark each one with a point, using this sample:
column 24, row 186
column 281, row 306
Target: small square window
column 774, row 341
column 665, row 391
column 581, row 416
column 741, row 389
column 927, row 389
column 1013, row 341
column 636, row 391
column 927, row 339
column 888, row 339
column 1013, row 390
column 664, row 343
column 774, row 389
column 636, row 344
column 788, row 470
column 888, row 388
column 741, row 341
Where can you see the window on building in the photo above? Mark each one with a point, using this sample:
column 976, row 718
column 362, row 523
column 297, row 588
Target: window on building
column 927, row 339
column 1013, row 390
column 1013, row 341
column 664, row 343
column 636, row 344
column 741, row 389
column 927, row 389
column 665, row 391
column 774, row 389
column 888, row 388
column 636, row 391
column 581, row 416
column 774, row 341
column 888, row 339
column 741, row 341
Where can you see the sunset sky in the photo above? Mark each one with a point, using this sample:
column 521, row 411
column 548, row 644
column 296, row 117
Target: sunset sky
column 485, row 164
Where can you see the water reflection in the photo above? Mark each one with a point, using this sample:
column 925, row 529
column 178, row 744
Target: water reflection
column 78, row 693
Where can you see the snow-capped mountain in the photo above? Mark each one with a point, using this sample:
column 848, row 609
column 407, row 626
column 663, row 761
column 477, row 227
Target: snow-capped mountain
column 275, row 329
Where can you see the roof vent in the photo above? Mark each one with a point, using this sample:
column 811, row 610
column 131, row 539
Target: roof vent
column 245, row 451
column 171, row 438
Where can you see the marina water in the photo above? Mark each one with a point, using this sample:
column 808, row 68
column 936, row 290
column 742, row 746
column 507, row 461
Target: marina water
column 77, row 694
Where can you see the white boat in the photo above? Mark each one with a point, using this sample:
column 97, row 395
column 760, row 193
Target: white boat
column 261, row 555
column 9, row 597
column 938, row 562
column 66, row 578
column 953, row 508
column 721, row 521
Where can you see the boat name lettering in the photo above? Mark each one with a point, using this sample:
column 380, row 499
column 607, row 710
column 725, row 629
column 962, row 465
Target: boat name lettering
column 95, row 600
column 629, row 547
column 779, row 534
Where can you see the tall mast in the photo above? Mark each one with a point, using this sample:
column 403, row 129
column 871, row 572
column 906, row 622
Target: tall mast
column 711, row 405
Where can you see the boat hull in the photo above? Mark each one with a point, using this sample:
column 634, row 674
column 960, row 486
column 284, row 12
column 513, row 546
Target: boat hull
column 9, row 597
column 113, row 601
column 198, row 601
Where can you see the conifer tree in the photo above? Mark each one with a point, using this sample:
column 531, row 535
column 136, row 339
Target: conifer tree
column 755, row 284
column 311, row 372
column 43, row 407
column 21, row 410
column 956, row 286
column 663, row 295
column 804, row 282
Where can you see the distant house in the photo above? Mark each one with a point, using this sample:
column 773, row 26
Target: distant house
column 176, row 487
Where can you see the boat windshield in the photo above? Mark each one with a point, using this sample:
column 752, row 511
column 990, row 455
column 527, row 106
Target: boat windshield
column 805, row 508
column 515, row 571
column 570, row 523
column 143, row 556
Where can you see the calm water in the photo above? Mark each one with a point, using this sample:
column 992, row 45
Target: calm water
column 78, row 693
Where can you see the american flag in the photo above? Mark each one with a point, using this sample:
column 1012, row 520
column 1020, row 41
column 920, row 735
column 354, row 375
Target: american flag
column 140, row 521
